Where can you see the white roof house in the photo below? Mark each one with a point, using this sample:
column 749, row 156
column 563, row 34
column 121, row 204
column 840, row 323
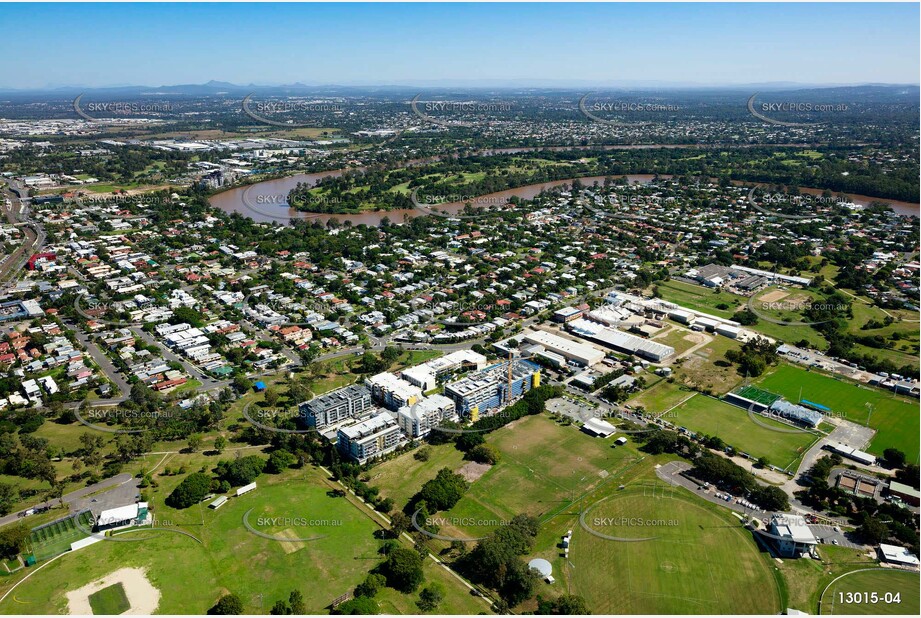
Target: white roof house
column 599, row 427
column 897, row 555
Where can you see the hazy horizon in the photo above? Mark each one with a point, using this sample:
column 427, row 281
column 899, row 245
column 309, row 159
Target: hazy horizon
column 522, row 45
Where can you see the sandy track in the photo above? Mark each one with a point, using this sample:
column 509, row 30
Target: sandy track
column 142, row 595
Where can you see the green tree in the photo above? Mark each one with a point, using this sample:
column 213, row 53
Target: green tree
column 9, row 495
column 873, row 531
column 403, row 569
column 195, row 441
column 431, row 597
column 894, row 457
column 228, row 605
column 190, row 491
column 485, row 454
column 296, row 603
column 279, row 461
column 370, row 587
column 12, row 540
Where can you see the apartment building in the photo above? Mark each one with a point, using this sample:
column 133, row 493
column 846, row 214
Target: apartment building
column 419, row 419
column 370, row 439
column 493, row 388
column 336, row 407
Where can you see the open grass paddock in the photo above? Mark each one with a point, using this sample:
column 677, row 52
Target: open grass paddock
column 897, row 592
column 700, row 561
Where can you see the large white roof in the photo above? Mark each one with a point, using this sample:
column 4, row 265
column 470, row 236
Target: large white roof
column 541, row 566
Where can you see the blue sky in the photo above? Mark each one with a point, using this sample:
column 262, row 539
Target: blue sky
column 712, row 44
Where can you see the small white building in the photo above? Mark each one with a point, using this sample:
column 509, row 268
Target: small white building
column 246, row 489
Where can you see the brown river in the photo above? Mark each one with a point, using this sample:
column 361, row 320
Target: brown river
column 266, row 202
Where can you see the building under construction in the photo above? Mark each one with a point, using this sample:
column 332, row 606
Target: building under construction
column 488, row 391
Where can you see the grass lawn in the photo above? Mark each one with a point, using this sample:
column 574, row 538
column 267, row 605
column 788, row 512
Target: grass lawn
column 544, row 467
column 897, row 593
column 191, row 577
column 402, row 477
column 786, row 309
column 701, row 298
column 110, row 601
column 894, row 418
column 702, row 561
column 662, row 396
column 710, row 416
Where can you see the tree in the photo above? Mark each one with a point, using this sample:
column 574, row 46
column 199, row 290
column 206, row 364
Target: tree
column 873, row 531
column 370, row 587
column 296, row 603
column 279, row 461
column 442, row 492
column 430, row 597
column 280, row 609
column 220, row 443
column 894, row 457
column 567, row 605
column 12, row 540
column 242, row 471
column 271, row 396
column 485, row 454
column 403, row 569
column 190, row 491
column 9, row 495
column 229, row 604
column 195, row 441
column 399, row 523
column 242, row 384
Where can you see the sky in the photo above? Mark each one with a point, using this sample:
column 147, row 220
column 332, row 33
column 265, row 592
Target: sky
column 52, row 45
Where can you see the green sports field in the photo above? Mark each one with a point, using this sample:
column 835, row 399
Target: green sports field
column 110, row 601
column 897, row 592
column 713, row 417
column 55, row 538
column 191, row 577
column 756, row 394
column 894, row 418
column 534, row 478
column 700, row 561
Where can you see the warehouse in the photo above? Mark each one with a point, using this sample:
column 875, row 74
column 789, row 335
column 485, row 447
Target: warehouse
column 579, row 353
column 621, row 341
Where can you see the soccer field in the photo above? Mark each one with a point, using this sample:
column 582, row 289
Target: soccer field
column 895, row 419
column 699, row 560
column 713, row 417
column 896, row 592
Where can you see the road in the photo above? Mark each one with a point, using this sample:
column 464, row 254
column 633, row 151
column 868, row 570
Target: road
column 76, row 500
column 16, row 214
column 103, row 361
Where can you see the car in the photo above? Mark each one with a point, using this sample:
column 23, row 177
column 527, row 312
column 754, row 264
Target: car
column 834, row 541
column 837, row 529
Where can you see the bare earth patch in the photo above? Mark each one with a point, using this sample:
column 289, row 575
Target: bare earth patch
column 472, row 470
column 291, row 545
column 773, row 296
column 142, row 595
